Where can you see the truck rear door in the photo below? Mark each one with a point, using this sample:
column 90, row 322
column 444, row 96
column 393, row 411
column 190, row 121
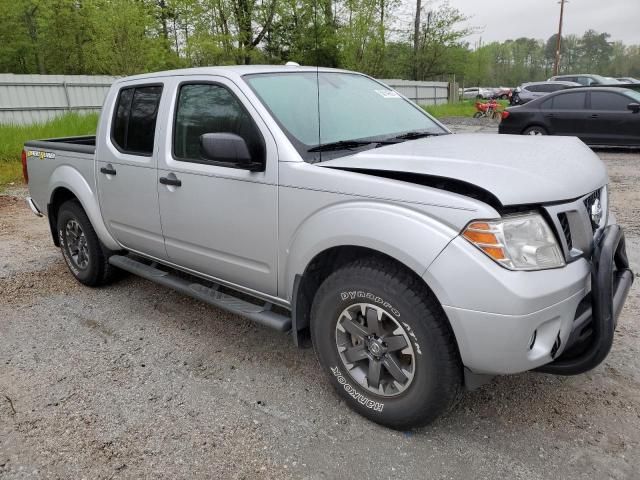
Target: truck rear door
column 127, row 169
column 218, row 219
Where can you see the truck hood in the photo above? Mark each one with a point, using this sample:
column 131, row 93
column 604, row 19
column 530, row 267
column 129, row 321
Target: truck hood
column 517, row 170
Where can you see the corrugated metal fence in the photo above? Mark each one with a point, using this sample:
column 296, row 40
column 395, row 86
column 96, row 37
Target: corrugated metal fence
column 423, row 93
column 26, row 99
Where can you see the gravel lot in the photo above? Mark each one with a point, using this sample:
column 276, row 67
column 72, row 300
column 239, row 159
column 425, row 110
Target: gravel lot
column 134, row 380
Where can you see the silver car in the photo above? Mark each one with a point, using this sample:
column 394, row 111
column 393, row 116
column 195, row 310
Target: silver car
column 530, row 91
column 585, row 79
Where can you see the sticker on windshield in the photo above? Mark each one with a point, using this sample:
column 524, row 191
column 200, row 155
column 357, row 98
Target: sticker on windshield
column 387, row 93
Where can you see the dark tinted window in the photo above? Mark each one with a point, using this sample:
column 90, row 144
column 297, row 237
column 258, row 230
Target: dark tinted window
column 121, row 118
column 134, row 123
column 609, row 101
column 211, row 109
column 569, row 101
column 535, row 88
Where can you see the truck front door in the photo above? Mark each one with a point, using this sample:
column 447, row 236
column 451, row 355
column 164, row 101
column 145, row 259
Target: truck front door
column 218, row 218
column 127, row 168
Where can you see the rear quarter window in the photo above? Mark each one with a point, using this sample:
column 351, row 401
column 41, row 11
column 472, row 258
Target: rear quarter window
column 569, row 101
column 134, row 120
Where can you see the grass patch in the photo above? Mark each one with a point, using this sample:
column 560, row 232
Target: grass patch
column 465, row 108
column 12, row 138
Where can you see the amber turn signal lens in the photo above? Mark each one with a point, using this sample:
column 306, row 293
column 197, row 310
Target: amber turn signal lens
column 496, row 253
column 481, row 237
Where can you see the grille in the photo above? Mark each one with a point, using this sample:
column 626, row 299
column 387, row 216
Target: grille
column 566, row 230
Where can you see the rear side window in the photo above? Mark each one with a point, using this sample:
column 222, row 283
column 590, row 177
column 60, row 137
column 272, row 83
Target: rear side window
column 134, row 121
column 569, row 101
column 609, row 101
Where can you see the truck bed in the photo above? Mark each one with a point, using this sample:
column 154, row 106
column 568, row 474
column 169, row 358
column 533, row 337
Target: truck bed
column 48, row 159
column 81, row 144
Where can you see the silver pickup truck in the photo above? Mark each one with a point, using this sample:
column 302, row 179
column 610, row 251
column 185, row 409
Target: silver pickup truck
column 324, row 204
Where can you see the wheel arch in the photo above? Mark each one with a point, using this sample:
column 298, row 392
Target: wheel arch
column 67, row 183
column 320, row 267
column 346, row 231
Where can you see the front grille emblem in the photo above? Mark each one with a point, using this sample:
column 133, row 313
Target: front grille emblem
column 596, row 212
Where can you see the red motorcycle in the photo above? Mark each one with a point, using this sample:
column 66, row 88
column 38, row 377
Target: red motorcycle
column 491, row 109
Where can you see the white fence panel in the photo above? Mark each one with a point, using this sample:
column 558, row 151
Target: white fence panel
column 423, row 93
column 26, row 99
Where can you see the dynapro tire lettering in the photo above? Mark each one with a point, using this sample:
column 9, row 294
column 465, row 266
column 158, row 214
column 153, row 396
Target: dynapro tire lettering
column 367, row 402
column 371, row 297
column 414, row 339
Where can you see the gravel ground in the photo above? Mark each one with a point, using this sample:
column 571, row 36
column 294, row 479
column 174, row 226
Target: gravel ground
column 135, row 380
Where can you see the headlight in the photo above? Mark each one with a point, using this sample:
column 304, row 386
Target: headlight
column 518, row 242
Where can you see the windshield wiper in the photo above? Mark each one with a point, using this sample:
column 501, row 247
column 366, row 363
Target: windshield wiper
column 417, row 134
column 345, row 145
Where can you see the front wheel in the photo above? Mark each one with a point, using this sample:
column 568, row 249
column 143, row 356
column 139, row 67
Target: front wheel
column 82, row 250
column 385, row 344
column 478, row 115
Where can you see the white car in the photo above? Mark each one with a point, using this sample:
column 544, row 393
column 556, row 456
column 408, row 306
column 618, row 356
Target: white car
column 477, row 92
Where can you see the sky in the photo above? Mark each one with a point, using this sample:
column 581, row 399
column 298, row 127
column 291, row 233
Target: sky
column 503, row 19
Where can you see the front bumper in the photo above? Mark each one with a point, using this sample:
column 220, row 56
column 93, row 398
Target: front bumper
column 592, row 331
column 508, row 322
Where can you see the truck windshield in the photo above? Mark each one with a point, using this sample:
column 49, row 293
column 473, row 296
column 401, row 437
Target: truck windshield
column 349, row 113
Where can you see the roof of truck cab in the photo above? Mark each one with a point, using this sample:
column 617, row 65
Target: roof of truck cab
column 231, row 70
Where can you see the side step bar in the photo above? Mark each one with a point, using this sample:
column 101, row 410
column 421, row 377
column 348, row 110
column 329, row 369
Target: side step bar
column 261, row 314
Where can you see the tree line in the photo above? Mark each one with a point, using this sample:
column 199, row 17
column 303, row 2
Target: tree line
column 411, row 39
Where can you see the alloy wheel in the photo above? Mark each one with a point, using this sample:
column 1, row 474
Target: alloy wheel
column 77, row 244
column 375, row 349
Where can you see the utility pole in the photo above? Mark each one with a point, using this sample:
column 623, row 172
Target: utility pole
column 416, row 38
column 556, row 67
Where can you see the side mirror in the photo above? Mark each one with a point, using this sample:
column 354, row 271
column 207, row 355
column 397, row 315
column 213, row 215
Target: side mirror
column 228, row 148
column 634, row 107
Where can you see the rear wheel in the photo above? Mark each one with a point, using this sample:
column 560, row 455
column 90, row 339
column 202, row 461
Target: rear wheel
column 385, row 343
column 536, row 130
column 83, row 252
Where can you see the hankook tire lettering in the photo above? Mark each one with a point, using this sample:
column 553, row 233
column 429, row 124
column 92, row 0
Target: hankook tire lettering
column 367, row 402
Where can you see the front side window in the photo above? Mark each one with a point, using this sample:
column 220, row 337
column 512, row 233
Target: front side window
column 134, row 121
column 609, row 101
column 569, row 101
column 319, row 108
column 211, row 108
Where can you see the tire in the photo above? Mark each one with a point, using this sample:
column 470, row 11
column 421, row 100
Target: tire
column 536, row 130
column 504, row 97
column 477, row 115
column 421, row 342
column 83, row 252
